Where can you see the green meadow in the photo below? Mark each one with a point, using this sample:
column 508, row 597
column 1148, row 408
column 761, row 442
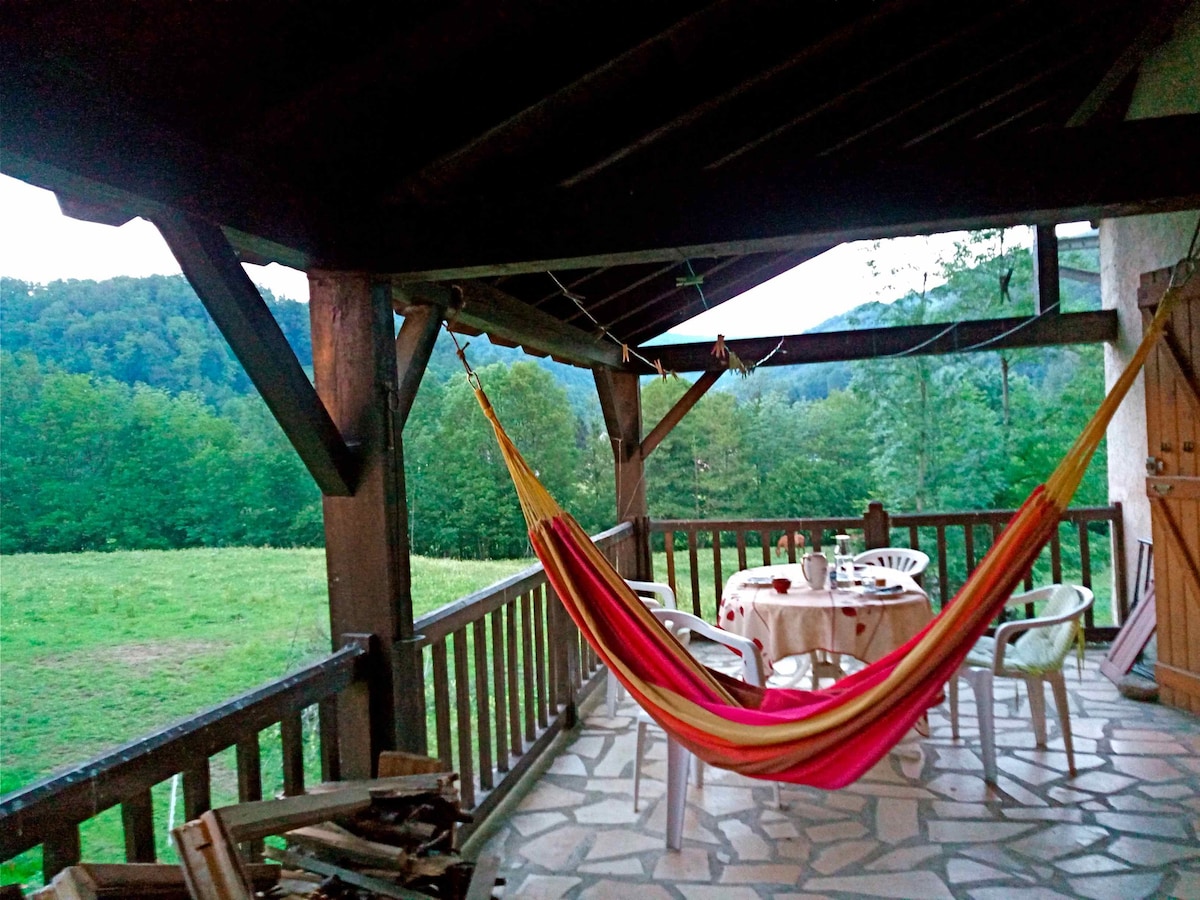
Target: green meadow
column 97, row 649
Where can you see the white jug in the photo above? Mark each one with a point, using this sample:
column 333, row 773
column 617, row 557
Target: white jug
column 815, row 568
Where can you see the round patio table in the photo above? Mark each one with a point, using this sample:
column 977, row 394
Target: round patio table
column 857, row 621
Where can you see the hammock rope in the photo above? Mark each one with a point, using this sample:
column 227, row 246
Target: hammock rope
column 825, row 738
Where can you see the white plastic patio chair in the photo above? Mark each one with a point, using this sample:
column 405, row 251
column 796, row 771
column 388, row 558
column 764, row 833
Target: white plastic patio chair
column 1036, row 655
column 659, row 593
column 679, row 759
column 902, row 559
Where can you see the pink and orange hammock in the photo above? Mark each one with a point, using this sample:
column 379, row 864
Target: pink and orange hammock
column 825, row 738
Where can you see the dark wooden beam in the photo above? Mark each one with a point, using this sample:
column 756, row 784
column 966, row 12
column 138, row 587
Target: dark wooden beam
column 1046, row 295
column 676, row 413
column 90, row 145
column 909, row 340
column 1044, row 176
column 414, row 344
column 621, row 404
column 1083, row 275
column 256, row 339
column 481, row 307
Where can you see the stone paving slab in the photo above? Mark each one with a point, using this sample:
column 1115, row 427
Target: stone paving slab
column 921, row 824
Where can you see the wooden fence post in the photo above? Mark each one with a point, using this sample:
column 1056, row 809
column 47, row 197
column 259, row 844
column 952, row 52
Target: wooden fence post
column 876, row 530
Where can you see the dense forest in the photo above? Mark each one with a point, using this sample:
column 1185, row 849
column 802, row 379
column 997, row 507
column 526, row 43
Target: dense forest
column 127, row 423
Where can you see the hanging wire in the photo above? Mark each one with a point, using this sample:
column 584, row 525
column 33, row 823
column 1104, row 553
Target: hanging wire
column 626, row 350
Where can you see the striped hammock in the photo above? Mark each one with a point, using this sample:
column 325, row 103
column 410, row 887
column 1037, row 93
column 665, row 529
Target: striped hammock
column 825, row 738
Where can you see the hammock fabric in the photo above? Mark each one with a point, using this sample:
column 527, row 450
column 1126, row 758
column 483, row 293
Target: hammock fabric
column 825, row 738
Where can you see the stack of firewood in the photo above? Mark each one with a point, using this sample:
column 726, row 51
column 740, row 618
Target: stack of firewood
column 393, row 836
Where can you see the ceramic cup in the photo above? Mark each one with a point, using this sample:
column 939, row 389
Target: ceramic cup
column 781, row 584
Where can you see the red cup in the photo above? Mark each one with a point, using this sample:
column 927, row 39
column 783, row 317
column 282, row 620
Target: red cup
column 781, row 584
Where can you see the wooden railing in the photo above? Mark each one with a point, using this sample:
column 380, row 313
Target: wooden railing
column 505, row 668
column 698, row 556
column 505, row 671
column 49, row 813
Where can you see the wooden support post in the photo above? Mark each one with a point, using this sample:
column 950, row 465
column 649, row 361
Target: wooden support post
column 876, row 528
column 366, row 535
column 1045, row 270
column 621, row 403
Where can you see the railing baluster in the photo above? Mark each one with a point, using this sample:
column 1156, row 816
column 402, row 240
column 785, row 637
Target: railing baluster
column 483, row 713
column 541, row 663
column 513, row 664
column 249, row 773
column 764, row 538
column 1085, row 570
column 943, row 567
column 740, row 536
column 669, row 549
column 59, row 850
column 1055, row 557
column 137, row 821
column 291, row 739
column 331, row 763
column 694, row 570
column 462, row 703
column 500, row 687
column 969, row 546
column 718, row 582
column 197, row 790
column 441, row 703
column 528, row 667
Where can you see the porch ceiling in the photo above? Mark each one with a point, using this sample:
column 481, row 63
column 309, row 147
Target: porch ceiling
column 619, row 145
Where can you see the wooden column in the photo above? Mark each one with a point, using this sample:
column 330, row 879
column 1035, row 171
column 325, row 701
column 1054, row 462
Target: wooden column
column 1045, row 270
column 366, row 538
column 621, row 403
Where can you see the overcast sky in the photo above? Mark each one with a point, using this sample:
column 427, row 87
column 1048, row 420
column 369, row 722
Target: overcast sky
column 38, row 243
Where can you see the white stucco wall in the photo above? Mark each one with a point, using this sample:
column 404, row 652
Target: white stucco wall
column 1168, row 83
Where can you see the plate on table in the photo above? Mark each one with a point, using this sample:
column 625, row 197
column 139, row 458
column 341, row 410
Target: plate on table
column 758, row 581
column 890, row 590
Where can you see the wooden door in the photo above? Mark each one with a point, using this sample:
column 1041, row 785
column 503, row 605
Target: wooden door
column 1173, row 486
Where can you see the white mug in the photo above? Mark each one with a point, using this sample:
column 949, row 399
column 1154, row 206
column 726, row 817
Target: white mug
column 815, row 568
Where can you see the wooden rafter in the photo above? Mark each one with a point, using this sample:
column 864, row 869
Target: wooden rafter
column 414, row 344
column 681, row 408
column 908, row 340
column 1148, row 165
column 480, row 306
column 256, row 339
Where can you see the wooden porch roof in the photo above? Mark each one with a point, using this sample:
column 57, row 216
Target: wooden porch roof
column 618, row 146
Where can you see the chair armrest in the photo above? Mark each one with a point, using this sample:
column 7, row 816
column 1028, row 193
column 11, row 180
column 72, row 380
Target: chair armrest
column 661, row 591
column 1009, row 630
column 676, row 620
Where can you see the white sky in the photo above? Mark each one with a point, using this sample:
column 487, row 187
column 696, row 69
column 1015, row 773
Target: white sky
column 39, row 244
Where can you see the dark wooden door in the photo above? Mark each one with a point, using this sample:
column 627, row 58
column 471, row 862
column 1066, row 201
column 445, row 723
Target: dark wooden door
column 1173, row 486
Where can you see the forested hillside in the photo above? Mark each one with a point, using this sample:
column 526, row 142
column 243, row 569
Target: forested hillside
column 127, row 423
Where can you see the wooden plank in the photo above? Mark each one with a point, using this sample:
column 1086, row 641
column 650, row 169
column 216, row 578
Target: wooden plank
column 681, row 408
column 1152, row 286
column 347, row 847
column 211, row 866
column 1131, row 639
column 42, row 808
column 197, row 790
column 398, row 762
column 984, row 335
column 1174, row 354
column 481, row 703
column 475, row 306
column 483, row 879
column 1178, row 679
column 213, row 270
column 500, row 666
column 59, row 849
column 141, row 880
column 249, row 821
column 463, row 710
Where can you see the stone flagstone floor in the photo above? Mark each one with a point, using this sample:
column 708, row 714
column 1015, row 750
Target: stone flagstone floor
column 921, row 824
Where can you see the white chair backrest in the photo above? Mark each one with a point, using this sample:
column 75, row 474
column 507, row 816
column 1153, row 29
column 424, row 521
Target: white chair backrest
column 660, row 591
column 902, row 559
column 677, row 621
column 1046, row 639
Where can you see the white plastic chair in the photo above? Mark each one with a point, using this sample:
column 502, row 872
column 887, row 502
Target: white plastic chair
column 902, row 559
column 1037, row 656
column 665, row 597
column 683, row 625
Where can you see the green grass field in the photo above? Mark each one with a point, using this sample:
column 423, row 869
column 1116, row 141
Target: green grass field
column 97, row 649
